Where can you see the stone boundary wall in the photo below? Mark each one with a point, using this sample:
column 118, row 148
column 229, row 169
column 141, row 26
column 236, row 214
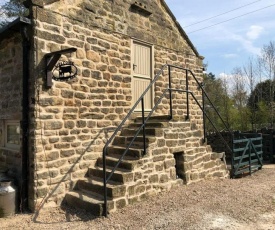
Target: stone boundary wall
column 72, row 120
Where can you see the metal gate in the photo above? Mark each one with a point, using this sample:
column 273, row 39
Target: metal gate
column 247, row 154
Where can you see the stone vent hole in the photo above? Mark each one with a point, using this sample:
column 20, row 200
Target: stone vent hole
column 179, row 164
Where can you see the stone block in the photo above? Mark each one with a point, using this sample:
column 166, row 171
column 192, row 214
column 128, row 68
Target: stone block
column 90, row 156
column 219, row 174
column 171, row 135
column 51, row 36
column 53, row 155
column 116, row 62
column 159, row 158
column 194, row 176
column 104, row 44
column 215, row 156
column 169, row 163
column 62, row 145
column 42, row 175
column 132, row 200
column 173, row 174
column 137, row 176
column 159, row 166
column 67, row 153
column 171, row 143
column 140, row 189
column 56, row 163
column 197, row 161
column 187, row 166
column 41, row 192
column 163, row 178
column 120, row 203
column 207, row 157
column 53, row 125
column 188, row 158
column 84, row 137
column 93, row 56
column 131, row 190
column 84, row 164
column 209, row 164
column 153, row 178
column 49, row 17
column 53, row 173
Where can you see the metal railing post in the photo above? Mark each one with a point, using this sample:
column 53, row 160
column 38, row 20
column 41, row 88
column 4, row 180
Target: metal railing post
column 250, row 166
column 187, row 95
column 203, row 114
column 105, row 211
column 143, row 129
column 170, row 92
column 232, row 157
column 272, row 143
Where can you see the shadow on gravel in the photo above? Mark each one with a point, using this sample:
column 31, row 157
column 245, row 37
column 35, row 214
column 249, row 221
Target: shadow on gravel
column 74, row 213
column 64, row 215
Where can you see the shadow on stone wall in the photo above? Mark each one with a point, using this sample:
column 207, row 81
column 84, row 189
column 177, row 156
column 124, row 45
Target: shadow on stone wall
column 53, row 190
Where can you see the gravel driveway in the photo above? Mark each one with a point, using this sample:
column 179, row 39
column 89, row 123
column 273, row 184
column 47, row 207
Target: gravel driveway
column 246, row 203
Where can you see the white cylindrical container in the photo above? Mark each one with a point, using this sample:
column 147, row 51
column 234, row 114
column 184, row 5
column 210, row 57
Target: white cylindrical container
column 7, row 198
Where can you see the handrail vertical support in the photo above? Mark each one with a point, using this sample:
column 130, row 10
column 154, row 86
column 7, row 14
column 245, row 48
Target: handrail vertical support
column 170, row 92
column 232, row 157
column 105, row 211
column 250, row 166
column 203, row 114
column 187, row 95
column 143, row 129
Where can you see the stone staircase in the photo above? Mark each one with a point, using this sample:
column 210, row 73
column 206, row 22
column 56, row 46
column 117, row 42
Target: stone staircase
column 174, row 155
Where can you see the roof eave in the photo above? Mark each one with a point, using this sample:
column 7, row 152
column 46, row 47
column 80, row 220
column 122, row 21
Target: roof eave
column 14, row 26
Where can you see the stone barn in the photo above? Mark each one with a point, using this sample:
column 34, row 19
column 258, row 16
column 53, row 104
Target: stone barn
column 94, row 87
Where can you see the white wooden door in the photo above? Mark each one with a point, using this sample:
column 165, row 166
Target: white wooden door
column 142, row 74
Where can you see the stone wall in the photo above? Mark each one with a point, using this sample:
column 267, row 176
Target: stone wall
column 10, row 98
column 72, row 120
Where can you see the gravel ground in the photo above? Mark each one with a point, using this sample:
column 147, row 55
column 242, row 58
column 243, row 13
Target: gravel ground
column 245, row 204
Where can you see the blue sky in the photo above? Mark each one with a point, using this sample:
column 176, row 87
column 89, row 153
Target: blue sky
column 229, row 44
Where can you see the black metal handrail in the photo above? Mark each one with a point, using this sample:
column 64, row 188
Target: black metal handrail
column 144, row 121
column 204, row 95
column 141, row 99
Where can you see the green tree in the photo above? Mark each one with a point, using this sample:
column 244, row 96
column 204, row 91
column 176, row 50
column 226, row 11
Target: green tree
column 261, row 102
column 10, row 10
column 240, row 113
column 218, row 95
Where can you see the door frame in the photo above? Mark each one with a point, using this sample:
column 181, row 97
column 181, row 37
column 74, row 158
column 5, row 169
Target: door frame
column 138, row 41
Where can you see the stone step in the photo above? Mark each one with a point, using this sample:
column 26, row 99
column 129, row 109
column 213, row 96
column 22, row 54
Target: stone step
column 154, row 118
column 111, row 160
column 131, row 153
column 151, row 124
column 88, row 201
column 96, row 185
column 138, row 142
column 148, row 131
column 120, row 175
column 215, row 155
column 182, row 125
